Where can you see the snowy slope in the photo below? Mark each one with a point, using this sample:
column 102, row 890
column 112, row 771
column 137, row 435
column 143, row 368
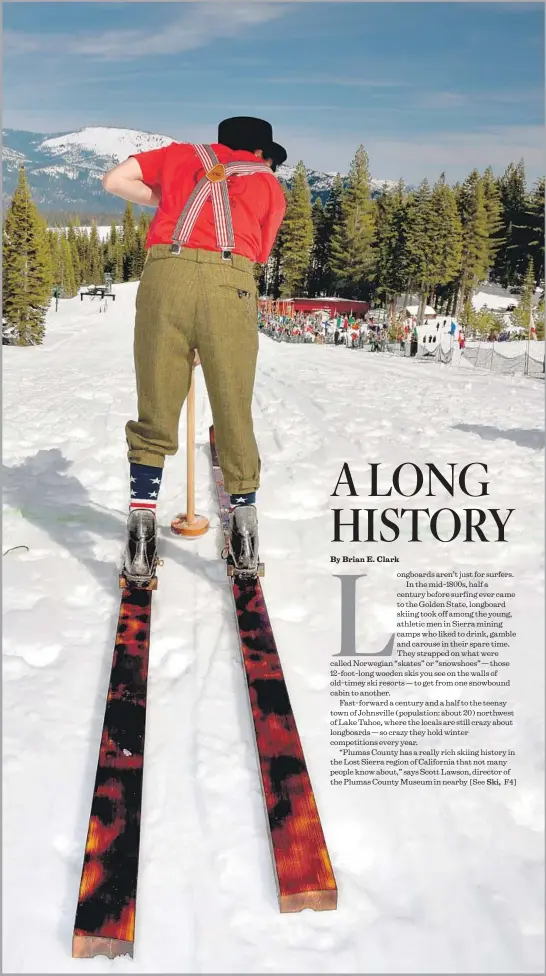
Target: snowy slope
column 11, row 159
column 104, row 141
column 430, row 880
column 497, row 303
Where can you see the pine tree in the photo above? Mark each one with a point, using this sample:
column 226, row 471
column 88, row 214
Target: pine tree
column 113, row 260
column 54, row 245
column 62, row 263
column 352, row 257
column 535, row 228
column 273, row 270
column 331, row 223
column 539, row 319
column 109, row 251
column 118, row 255
column 494, row 212
column 483, row 322
column 140, row 245
column 259, row 271
column 96, row 266
column 27, row 269
column 129, row 243
column 68, row 277
column 297, row 235
column 272, row 276
column 512, row 258
column 74, row 253
column 522, row 316
column 317, row 265
column 476, row 245
column 446, row 234
column 418, row 245
column 144, row 222
column 434, row 240
column 84, row 254
column 390, row 250
column 139, row 257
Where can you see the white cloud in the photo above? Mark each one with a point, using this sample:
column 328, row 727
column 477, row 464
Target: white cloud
column 332, row 80
column 195, row 26
column 49, row 121
column 478, row 100
column 442, row 100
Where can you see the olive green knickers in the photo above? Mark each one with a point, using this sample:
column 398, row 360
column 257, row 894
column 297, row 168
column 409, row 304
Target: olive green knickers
column 187, row 301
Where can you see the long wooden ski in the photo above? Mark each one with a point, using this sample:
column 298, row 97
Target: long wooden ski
column 301, row 862
column 105, row 917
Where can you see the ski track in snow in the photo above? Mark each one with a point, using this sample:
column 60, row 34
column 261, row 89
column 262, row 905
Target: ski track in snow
column 429, row 880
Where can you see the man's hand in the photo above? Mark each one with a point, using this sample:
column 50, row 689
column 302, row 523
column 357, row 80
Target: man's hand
column 125, row 181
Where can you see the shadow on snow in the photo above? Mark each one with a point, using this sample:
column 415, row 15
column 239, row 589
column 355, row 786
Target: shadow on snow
column 45, row 494
column 532, row 438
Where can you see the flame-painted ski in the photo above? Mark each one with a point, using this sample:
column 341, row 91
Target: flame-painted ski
column 105, row 917
column 300, row 857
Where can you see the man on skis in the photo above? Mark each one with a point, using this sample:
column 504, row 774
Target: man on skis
column 219, row 208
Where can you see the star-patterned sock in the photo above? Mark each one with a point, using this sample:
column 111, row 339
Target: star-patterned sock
column 243, row 498
column 145, row 485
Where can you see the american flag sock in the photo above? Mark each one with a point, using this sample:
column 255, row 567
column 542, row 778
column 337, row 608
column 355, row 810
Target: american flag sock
column 145, row 485
column 243, row 498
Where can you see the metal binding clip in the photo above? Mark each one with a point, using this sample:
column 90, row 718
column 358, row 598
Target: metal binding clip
column 176, row 248
column 226, row 255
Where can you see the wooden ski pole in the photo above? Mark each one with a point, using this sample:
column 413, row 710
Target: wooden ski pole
column 189, row 524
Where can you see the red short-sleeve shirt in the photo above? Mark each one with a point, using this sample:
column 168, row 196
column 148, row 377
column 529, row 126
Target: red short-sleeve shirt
column 257, row 202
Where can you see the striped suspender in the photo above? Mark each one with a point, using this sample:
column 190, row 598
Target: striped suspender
column 213, row 184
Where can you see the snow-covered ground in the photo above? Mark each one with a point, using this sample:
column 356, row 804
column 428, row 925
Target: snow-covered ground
column 534, row 347
column 497, row 303
column 102, row 231
column 430, row 880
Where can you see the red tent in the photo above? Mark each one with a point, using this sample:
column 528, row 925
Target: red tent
column 331, row 305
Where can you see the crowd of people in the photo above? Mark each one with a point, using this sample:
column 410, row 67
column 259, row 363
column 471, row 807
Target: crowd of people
column 339, row 330
column 348, row 331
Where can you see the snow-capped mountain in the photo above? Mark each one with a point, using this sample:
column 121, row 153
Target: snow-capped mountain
column 64, row 170
column 105, row 142
column 321, row 183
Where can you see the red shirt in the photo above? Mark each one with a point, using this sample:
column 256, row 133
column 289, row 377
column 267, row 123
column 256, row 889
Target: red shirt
column 257, row 201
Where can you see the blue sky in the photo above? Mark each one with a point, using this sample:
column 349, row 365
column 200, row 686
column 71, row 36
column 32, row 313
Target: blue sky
column 425, row 87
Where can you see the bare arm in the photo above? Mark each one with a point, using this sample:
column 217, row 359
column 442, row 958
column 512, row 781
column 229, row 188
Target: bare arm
column 125, row 181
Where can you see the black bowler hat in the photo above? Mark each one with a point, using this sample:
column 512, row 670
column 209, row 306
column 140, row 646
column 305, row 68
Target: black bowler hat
column 245, row 132
column 275, row 152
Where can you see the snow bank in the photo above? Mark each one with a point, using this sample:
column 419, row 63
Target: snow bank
column 430, row 880
column 495, row 302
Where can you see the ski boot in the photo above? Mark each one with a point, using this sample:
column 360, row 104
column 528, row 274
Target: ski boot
column 242, row 552
column 141, row 551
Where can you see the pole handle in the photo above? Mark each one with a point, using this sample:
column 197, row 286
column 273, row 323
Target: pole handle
column 190, row 446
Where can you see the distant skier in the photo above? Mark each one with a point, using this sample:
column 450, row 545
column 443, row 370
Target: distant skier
column 219, row 208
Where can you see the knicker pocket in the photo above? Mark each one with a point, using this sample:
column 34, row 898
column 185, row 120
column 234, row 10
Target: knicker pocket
column 246, row 301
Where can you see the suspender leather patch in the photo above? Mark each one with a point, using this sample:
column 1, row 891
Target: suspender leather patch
column 217, row 174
